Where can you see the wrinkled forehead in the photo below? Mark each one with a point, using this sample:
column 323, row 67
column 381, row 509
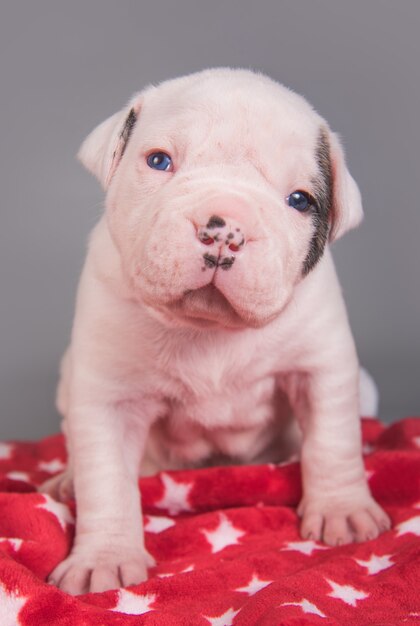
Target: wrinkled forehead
column 221, row 121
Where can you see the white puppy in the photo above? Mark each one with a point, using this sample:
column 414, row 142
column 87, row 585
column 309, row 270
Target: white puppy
column 209, row 312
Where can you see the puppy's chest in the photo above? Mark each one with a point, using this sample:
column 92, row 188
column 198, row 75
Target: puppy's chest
column 215, row 387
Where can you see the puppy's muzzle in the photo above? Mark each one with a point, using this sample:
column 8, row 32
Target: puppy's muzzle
column 223, row 238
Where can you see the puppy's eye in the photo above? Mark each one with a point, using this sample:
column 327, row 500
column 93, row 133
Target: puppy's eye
column 159, row 161
column 300, row 200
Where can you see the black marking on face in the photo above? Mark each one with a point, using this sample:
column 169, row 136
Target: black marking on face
column 127, row 129
column 323, row 193
column 210, row 260
column 215, row 222
column 227, row 262
column 231, row 235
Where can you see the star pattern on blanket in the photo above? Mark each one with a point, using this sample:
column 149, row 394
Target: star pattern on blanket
column 21, row 476
column 52, row 467
column 293, row 458
column 348, row 594
column 189, row 568
column 376, row 564
column 15, row 542
column 369, row 473
column 222, row 620
column 254, row 585
column 156, row 524
column 175, row 497
column 6, row 450
column 304, row 547
column 59, row 510
column 306, row 606
column 224, row 535
column 411, row 525
column 226, row 545
column 132, row 603
column 11, row 604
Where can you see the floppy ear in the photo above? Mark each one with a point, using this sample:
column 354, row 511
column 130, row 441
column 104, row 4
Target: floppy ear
column 347, row 211
column 103, row 149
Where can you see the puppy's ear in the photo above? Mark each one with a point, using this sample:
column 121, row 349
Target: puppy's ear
column 347, row 211
column 103, row 149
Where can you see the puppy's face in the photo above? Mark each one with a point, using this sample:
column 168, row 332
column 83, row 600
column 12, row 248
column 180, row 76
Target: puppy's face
column 223, row 188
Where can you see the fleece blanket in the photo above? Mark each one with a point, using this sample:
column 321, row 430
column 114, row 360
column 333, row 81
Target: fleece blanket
column 226, row 545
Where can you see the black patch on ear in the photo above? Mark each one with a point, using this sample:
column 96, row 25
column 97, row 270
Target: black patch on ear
column 323, row 193
column 127, row 130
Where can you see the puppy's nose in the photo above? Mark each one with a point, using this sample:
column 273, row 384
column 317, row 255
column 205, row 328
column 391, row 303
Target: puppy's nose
column 222, row 232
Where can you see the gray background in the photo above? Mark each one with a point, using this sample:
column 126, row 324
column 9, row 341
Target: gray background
column 65, row 66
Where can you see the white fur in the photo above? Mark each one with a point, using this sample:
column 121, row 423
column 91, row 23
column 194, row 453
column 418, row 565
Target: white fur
column 159, row 374
column 369, row 395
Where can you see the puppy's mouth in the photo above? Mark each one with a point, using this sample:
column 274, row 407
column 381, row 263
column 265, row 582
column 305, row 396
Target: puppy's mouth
column 207, row 306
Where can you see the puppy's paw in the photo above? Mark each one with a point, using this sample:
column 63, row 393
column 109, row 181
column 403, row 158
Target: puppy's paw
column 98, row 570
column 59, row 487
column 339, row 521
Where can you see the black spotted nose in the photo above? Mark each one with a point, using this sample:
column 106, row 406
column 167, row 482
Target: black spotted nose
column 221, row 233
column 215, row 222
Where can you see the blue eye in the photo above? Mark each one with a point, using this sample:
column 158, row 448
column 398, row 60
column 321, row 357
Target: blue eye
column 300, row 201
column 159, row 161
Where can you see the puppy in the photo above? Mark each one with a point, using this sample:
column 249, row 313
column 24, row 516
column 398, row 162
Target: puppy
column 209, row 318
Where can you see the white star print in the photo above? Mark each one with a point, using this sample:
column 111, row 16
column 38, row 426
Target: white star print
column 53, row 466
column 222, row 620
column 306, row 606
column 367, row 448
column 16, row 542
column 293, row 458
column 305, row 547
column 376, row 563
column 369, row 474
column 132, row 603
column 175, row 496
column 254, row 585
column 157, row 524
column 411, row 525
column 190, row 568
column 346, row 593
column 6, row 450
column 224, row 535
column 23, row 476
column 61, row 511
column 11, row 604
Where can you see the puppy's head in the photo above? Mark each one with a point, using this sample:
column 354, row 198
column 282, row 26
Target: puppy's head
column 223, row 189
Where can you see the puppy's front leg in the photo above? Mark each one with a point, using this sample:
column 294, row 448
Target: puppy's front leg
column 337, row 505
column 106, row 445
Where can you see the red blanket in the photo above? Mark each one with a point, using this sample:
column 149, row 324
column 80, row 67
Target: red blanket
column 226, row 544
